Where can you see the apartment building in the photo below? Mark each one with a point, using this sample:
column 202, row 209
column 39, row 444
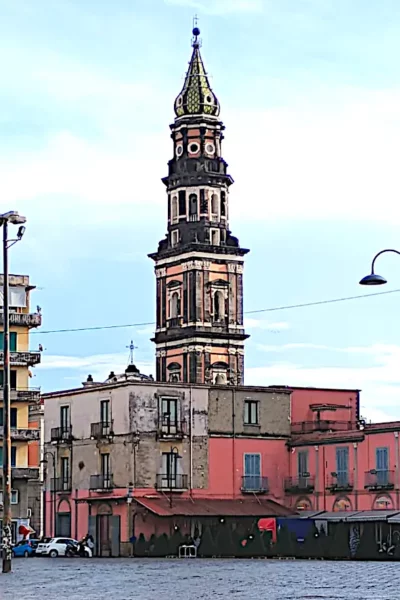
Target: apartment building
column 24, row 432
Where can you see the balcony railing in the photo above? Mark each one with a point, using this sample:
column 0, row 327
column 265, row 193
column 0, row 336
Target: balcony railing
column 61, row 434
column 255, row 484
column 22, row 473
column 321, row 426
column 171, row 429
column 174, row 322
column 101, row 482
column 379, row 480
column 298, row 485
column 61, row 484
column 101, row 430
column 340, row 482
column 23, row 358
column 23, row 395
column 22, row 434
column 175, row 482
column 24, row 319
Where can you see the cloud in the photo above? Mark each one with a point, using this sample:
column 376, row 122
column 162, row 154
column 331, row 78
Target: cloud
column 221, row 7
column 98, row 365
column 344, row 153
column 273, row 327
column 379, row 375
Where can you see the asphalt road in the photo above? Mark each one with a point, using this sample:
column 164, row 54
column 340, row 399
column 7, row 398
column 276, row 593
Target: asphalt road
column 90, row 579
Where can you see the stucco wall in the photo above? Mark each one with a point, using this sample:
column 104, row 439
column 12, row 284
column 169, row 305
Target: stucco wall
column 227, row 405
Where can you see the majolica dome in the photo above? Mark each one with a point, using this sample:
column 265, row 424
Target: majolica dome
column 196, row 97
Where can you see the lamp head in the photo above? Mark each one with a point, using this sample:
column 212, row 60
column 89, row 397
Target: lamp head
column 373, row 279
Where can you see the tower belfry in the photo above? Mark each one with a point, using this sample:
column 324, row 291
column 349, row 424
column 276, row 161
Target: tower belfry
column 199, row 265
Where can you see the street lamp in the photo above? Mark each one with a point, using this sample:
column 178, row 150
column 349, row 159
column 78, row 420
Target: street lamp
column 13, row 218
column 52, row 489
column 373, row 278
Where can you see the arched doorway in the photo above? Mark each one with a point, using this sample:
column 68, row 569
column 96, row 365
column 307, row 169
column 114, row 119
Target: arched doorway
column 63, row 519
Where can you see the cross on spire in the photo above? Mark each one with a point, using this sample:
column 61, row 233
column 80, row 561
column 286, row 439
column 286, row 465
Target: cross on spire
column 131, row 348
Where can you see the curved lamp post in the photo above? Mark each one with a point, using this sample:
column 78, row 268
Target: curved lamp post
column 373, row 278
column 6, row 219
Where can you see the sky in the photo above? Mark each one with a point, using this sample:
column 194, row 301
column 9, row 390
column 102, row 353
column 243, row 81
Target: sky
column 310, row 97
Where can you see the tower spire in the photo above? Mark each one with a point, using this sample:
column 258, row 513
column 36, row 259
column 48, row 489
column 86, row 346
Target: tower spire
column 196, row 96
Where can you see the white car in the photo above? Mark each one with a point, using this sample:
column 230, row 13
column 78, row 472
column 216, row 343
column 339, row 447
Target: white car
column 55, row 547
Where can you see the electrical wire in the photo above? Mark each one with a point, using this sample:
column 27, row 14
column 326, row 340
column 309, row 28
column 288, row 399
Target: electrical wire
column 249, row 312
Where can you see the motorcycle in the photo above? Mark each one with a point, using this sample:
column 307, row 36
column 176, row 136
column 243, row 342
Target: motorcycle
column 78, row 550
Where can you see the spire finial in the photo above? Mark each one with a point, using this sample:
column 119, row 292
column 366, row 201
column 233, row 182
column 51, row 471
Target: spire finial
column 131, row 347
column 196, row 32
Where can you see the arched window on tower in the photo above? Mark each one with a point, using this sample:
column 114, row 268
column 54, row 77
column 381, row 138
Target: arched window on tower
column 214, row 207
column 193, row 210
column 174, row 209
column 174, row 306
column 219, row 307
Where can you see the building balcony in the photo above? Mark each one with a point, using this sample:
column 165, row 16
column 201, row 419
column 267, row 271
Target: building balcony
column 23, row 359
column 174, row 322
column 22, row 434
column 254, row 484
column 340, row 482
column 102, row 430
column 171, row 430
column 61, row 484
column 23, row 395
column 22, row 473
column 61, row 434
column 321, row 426
column 299, row 485
column 172, row 483
column 23, row 319
column 101, row 483
column 379, row 480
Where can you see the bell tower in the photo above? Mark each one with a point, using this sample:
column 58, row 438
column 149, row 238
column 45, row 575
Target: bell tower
column 199, row 265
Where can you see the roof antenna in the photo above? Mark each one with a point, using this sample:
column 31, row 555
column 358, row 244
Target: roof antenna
column 196, row 43
column 131, row 347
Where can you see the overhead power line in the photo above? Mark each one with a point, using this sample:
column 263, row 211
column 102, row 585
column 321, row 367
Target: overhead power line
column 249, row 312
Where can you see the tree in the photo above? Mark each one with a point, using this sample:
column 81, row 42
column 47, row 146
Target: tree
column 141, row 546
column 175, row 541
column 207, row 546
column 161, row 546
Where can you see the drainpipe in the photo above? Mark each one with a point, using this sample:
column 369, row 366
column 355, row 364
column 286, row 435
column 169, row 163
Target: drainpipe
column 316, row 477
column 397, row 474
column 233, row 444
column 355, row 446
column 191, row 440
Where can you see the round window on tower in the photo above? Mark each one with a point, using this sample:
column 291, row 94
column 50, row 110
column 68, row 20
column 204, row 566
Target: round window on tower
column 179, row 101
column 208, row 99
column 179, row 150
column 194, row 148
column 210, row 148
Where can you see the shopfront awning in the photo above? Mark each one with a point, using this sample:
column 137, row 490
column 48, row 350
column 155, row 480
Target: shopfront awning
column 213, row 508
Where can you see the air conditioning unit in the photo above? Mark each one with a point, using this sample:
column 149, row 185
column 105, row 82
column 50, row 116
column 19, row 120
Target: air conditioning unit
column 29, row 513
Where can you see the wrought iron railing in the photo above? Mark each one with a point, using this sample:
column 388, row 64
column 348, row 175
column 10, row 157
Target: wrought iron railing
column 255, row 484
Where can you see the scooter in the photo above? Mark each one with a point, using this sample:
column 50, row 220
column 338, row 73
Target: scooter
column 80, row 550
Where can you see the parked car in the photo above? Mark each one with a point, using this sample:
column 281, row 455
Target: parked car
column 25, row 548
column 55, row 547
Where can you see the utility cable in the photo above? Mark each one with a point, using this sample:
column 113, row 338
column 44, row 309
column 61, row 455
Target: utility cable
column 249, row 312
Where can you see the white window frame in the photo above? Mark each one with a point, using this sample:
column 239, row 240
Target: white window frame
column 257, row 403
column 14, row 497
column 175, row 237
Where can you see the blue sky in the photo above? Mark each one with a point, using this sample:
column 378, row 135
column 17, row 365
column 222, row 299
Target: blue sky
column 310, row 95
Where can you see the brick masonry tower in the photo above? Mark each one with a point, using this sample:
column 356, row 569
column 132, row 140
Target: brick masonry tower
column 199, row 265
